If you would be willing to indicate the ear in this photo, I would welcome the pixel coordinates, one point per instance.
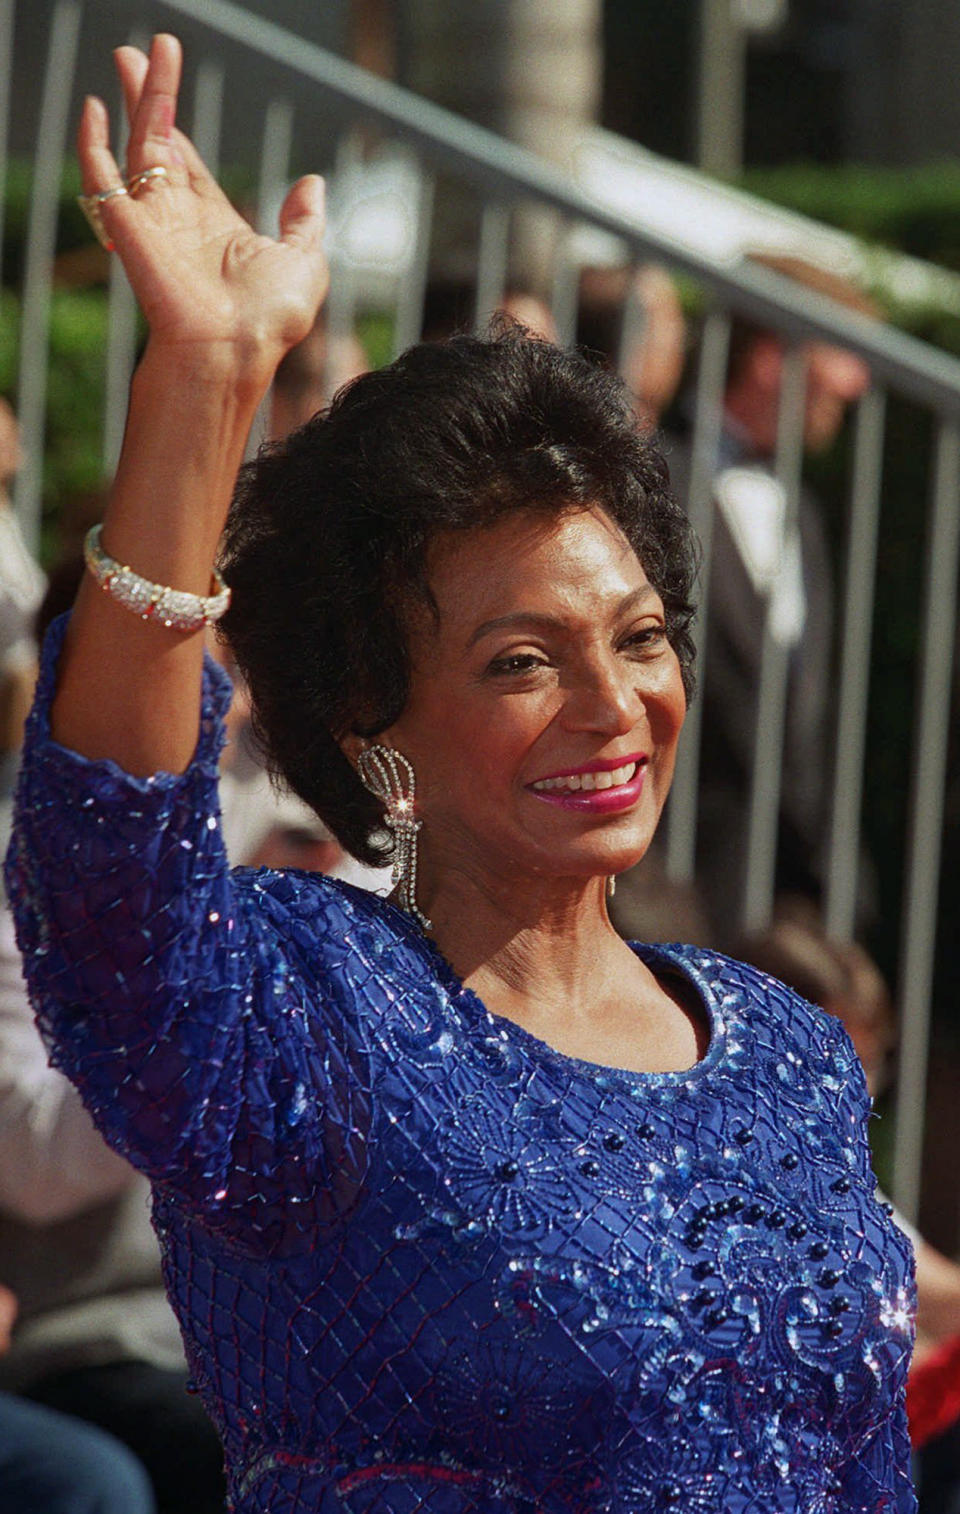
(351, 746)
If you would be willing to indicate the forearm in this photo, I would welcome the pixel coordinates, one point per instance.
(130, 689)
(222, 304)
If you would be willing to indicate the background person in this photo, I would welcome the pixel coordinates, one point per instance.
(761, 565)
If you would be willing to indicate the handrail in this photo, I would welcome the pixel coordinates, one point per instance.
(504, 169)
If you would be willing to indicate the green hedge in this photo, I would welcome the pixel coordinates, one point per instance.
(914, 209)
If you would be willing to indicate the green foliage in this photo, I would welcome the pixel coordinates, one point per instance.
(75, 396)
(914, 209)
(375, 331)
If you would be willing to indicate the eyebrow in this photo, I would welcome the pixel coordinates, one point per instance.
(551, 622)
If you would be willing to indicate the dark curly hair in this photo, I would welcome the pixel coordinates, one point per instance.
(327, 538)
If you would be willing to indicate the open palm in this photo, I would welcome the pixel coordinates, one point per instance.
(199, 271)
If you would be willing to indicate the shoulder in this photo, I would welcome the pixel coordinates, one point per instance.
(331, 920)
(777, 1013)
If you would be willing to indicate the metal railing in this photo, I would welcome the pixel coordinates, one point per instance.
(318, 85)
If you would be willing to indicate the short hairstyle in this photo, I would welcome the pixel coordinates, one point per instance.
(327, 539)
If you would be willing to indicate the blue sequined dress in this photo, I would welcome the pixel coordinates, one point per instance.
(422, 1261)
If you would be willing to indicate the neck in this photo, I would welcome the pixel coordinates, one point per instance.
(511, 938)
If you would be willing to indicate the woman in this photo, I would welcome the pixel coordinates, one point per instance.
(466, 1205)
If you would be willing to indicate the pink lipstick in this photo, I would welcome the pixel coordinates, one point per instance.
(604, 787)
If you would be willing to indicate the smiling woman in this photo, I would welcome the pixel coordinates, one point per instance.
(468, 1206)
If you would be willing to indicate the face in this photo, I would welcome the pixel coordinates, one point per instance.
(546, 705)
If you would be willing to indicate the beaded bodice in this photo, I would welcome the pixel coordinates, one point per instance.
(422, 1261)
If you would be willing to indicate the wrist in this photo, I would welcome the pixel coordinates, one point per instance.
(236, 373)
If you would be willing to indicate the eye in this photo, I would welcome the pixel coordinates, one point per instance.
(648, 638)
(515, 663)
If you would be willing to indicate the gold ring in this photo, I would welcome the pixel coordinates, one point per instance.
(139, 181)
(90, 205)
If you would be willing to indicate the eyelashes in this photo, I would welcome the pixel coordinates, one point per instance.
(648, 639)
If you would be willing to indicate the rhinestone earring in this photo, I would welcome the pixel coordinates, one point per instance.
(389, 776)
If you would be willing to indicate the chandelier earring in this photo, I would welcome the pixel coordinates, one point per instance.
(389, 776)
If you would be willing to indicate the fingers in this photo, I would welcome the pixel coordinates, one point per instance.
(150, 88)
(302, 222)
(98, 167)
(131, 65)
(302, 214)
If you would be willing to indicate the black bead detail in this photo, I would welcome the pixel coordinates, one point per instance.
(819, 1250)
(829, 1277)
(613, 1141)
(840, 1304)
(790, 1161)
(507, 1171)
(700, 1270)
(797, 1230)
(646, 1132)
(834, 1328)
(590, 1168)
(743, 1137)
(842, 1185)
(776, 1218)
(753, 1214)
(715, 1318)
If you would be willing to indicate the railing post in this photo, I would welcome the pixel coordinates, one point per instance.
(38, 275)
(929, 770)
(6, 64)
(409, 322)
(707, 429)
(844, 846)
(763, 823)
(208, 113)
(491, 262)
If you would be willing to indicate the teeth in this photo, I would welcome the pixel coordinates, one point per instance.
(588, 782)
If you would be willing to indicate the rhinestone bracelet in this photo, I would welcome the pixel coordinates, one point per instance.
(174, 608)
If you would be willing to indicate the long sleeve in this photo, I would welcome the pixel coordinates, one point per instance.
(173, 994)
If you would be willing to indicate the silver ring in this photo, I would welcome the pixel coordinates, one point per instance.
(139, 181)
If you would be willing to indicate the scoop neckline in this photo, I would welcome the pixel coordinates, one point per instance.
(671, 957)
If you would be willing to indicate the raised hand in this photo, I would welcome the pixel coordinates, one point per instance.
(203, 277)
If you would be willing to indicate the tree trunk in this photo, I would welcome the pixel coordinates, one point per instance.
(528, 70)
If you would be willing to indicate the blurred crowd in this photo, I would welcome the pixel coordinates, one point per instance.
(96, 1408)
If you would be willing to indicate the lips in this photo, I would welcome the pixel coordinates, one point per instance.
(602, 789)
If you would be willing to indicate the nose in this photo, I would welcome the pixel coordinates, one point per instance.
(602, 696)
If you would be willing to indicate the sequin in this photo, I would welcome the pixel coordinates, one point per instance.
(425, 1264)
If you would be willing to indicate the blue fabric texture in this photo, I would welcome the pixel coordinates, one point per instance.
(424, 1262)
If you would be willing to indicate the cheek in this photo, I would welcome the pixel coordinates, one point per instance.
(471, 746)
(668, 703)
